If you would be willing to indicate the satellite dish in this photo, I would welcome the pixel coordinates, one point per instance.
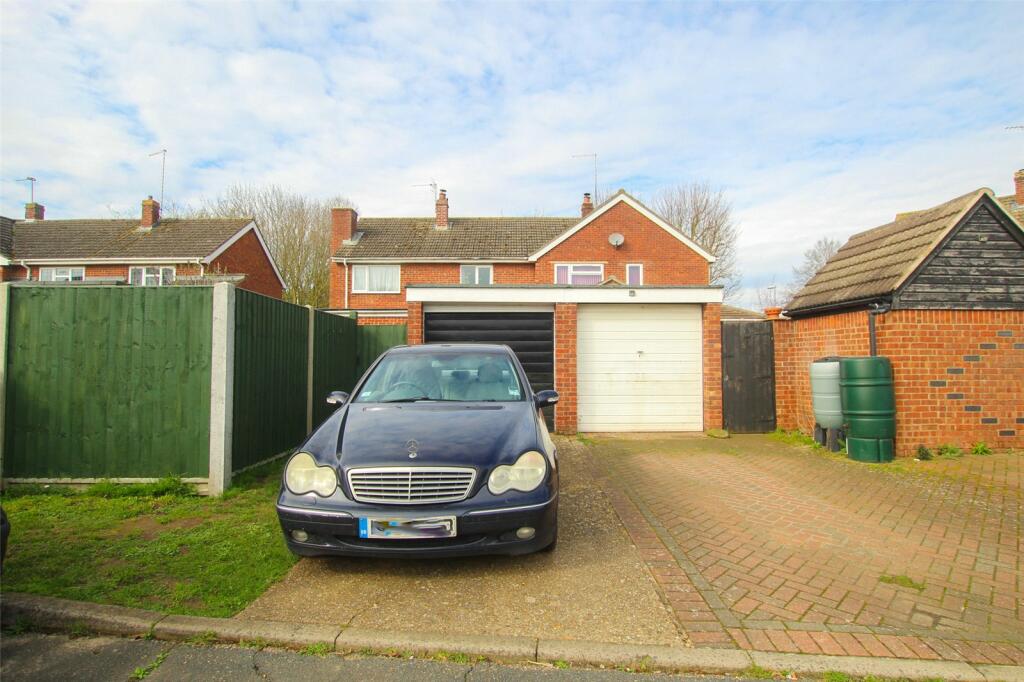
(616, 239)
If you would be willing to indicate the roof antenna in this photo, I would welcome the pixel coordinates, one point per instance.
(589, 156)
(163, 167)
(31, 181)
(432, 185)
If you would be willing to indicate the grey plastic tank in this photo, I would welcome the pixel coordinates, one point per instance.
(828, 407)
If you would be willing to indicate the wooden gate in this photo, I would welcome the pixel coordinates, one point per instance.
(748, 376)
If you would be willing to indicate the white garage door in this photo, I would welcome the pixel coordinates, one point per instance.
(639, 368)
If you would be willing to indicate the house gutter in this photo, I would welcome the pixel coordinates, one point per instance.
(28, 271)
(345, 263)
(836, 307)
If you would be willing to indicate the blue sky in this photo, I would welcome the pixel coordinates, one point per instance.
(815, 119)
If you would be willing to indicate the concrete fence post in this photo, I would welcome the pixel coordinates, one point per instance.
(222, 387)
(5, 298)
(309, 369)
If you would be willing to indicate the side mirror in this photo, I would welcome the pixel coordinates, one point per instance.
(337, 398)
(545, 398)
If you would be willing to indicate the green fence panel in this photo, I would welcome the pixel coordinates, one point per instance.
(108, 382)
(271, 344)
(374, 339)
(334, 360)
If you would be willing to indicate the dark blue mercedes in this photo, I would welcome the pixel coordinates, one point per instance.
(441, 451)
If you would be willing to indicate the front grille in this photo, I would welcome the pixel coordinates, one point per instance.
(411, 485)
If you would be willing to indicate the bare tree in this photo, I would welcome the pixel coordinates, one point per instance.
(815, 258)
(297, 230)
(703, 214)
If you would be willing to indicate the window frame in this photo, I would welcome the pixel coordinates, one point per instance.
(70, 277)
(476, 268)
(159, 272)
(365, 266)
(635, 265)
(571, 267)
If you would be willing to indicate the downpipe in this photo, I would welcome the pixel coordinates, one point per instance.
(875, 310)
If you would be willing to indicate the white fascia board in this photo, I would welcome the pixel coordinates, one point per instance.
(263, 244)
(4, 260)
(488, 308)
(643, 210)
(476, 261)
(513, 295)
(379, 312)
(109, 261)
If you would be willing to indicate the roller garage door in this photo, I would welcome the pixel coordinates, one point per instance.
(529, 334)
(639, 367)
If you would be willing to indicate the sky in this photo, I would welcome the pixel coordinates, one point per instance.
(814, 119)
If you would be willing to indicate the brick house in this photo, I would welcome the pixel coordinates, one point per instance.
(148, 251)
(613, 308)
(941, 293)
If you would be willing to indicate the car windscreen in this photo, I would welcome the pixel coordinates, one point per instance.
(455, 377)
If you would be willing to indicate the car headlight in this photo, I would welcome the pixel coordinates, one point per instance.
(525, 475)
(303, 475)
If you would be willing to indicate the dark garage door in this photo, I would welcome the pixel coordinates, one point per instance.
(529, 335)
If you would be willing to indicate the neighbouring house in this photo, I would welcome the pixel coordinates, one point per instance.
(941, 293)
(731, 313)
(147, 251)
(613, 307)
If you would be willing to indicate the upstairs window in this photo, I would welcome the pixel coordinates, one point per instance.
(477, 274)
(151, 276)
(376, 279)
(61, 274)
(582, 274)
(635, 274)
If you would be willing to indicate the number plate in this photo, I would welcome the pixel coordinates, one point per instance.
(407, 529)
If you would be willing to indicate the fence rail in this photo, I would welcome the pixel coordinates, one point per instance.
(141, 382)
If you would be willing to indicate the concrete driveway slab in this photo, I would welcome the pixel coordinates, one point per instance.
(594, 586)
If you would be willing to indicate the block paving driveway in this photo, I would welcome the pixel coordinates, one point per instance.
(762, 545)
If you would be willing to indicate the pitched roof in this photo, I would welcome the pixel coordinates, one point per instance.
(114, 239)
(731, 312)
(6, 237)
(1012, 207)
(874, 263)
(465, 238)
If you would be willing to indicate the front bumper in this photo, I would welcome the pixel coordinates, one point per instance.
(479, 531)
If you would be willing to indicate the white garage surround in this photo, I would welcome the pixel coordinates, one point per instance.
(639, 367)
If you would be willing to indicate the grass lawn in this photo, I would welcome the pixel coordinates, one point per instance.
(173, 553)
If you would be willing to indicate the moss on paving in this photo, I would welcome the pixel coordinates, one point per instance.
(175, 553)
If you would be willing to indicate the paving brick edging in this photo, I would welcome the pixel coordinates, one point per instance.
(48, 613)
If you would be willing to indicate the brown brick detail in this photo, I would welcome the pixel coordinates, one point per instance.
(414, 332)
(923, 345)
(712, 323)
(246, 256)
(565, 367)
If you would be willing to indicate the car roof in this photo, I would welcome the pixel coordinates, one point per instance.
(452, 348)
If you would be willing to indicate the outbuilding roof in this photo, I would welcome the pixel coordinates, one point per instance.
(874, 263)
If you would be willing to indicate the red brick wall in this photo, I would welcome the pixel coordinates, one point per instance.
(370, 321)
(414, 332)
(565, 367)
(712, 324)
(666, 260)
(952, 369)
(248, 257)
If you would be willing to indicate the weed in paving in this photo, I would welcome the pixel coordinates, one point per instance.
(144, 672)
(259, 643)
(320, 649)
(949, 451)
(451, 657)
(561, 665)
(923, 453)
(77, 630)
(902, 581)
(795, 438)
(203, 638)
(981, 448)
(756, 672)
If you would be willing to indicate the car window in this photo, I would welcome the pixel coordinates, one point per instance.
(457, 377)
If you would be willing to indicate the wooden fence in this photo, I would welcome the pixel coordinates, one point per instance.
(134, 383)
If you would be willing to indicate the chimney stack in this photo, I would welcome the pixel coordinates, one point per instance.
(150, 212)
(441, 211)
(1018, 181)
(587, 207)
(343, 226)
(35, 211)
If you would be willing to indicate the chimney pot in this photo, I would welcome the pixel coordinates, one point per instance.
(441, 211)
(150, 212)
(343, 226)
(587, 207)
(773, 312)
(1018, 181)
(34, 211)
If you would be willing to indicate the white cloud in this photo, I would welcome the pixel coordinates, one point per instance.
(816, 119)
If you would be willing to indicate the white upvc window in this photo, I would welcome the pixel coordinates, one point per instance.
(471, 273)
(151, 275)
(376, 279)
(579, 273)
(635, 274)
(71, 274)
